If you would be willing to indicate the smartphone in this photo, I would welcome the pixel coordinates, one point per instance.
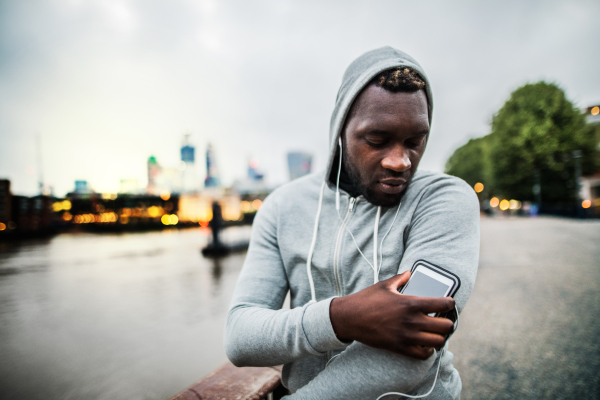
(429, 280)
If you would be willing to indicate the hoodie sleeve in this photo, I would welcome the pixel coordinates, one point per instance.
(258, 332)
(445, 231)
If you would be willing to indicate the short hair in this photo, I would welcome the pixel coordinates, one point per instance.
(401, 79)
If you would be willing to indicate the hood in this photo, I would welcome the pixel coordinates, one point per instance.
(357, 76)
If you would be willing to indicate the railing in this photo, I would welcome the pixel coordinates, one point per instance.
(230, 382)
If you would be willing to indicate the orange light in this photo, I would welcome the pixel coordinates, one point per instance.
(124, 219)
(595, 110)
(586, 203)
(494, 202)
(478, 187)
(245, 206)
(2, 226)
(165, 196)
(154, 212)
(504, 205)
(256, 204)
(67, 216)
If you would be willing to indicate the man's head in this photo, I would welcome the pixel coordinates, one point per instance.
(385, 135)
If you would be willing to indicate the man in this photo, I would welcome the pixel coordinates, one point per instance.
(342, 242)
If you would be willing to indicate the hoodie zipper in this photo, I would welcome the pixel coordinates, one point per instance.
(336, 254)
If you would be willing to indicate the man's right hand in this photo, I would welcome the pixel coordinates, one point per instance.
(379, 316)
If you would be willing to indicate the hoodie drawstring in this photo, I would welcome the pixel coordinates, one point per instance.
(337, 184)
(375, 266)
(312, 248)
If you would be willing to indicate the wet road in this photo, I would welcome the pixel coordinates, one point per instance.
(530, 329)
(140, 316)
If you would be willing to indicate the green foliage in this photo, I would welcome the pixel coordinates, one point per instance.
(534, 133)
(471, 162)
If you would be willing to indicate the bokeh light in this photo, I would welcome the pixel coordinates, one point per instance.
(494, 201)
(504, 205)
(586, 203)
(478, 187)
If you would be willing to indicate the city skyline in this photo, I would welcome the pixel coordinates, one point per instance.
(105, 84)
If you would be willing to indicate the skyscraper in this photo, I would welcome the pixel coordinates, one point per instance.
(153, 174)
(189, 176)
(212, 172)
(254, 174)
(299, 164)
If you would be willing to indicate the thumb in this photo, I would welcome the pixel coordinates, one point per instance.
(397, 281)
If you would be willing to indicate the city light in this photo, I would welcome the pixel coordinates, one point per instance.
(586, 203)
(165, 196)
(2, 226)
(494, 202)
(169, 219)
(515, 205)
(245, 206)
(504, 205)
(595, 110)
(478, 187)
(61, 205)
(154, 211)
(256, 204)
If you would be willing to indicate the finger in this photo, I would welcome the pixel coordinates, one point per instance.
(397, 281)
(426, 339)
(442, 326)
(418, 352)
(430, 305)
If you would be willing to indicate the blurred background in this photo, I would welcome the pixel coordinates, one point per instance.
(129, 128)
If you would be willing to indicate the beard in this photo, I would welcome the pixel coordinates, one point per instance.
(362, 184)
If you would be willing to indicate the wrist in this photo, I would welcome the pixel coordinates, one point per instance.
(338, 313)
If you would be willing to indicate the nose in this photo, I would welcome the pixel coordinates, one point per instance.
(397, 160)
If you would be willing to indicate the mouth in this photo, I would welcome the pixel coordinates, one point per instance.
(392, 185)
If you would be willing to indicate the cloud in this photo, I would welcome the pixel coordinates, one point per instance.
(107, 83)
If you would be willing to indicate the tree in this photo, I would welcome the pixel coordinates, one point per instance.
(471, 162)
(534, 136)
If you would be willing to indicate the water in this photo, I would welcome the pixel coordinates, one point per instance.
(88, 316)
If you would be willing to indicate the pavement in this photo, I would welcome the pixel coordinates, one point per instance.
(530, 329)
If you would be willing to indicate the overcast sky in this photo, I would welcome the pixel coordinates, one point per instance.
(106, 83)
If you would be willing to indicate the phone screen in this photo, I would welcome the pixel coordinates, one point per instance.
(425, 286)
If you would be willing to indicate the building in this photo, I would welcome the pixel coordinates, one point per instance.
(5, 204)
(254, 174)
(299, 164)
(212, 172)
(153, 174)
(589, 186)
(189, 174)
(82, 187)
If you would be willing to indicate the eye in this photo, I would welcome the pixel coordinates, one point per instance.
(415, 141)
(375, 140)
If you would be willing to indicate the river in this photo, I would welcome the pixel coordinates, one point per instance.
(101, 316)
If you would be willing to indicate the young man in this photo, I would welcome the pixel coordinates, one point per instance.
(342, 242)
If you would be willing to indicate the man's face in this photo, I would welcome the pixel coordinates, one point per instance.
(383, 142)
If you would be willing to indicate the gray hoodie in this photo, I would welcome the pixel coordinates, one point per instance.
(302, 244)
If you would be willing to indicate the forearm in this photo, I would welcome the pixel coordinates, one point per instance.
(258, 336)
